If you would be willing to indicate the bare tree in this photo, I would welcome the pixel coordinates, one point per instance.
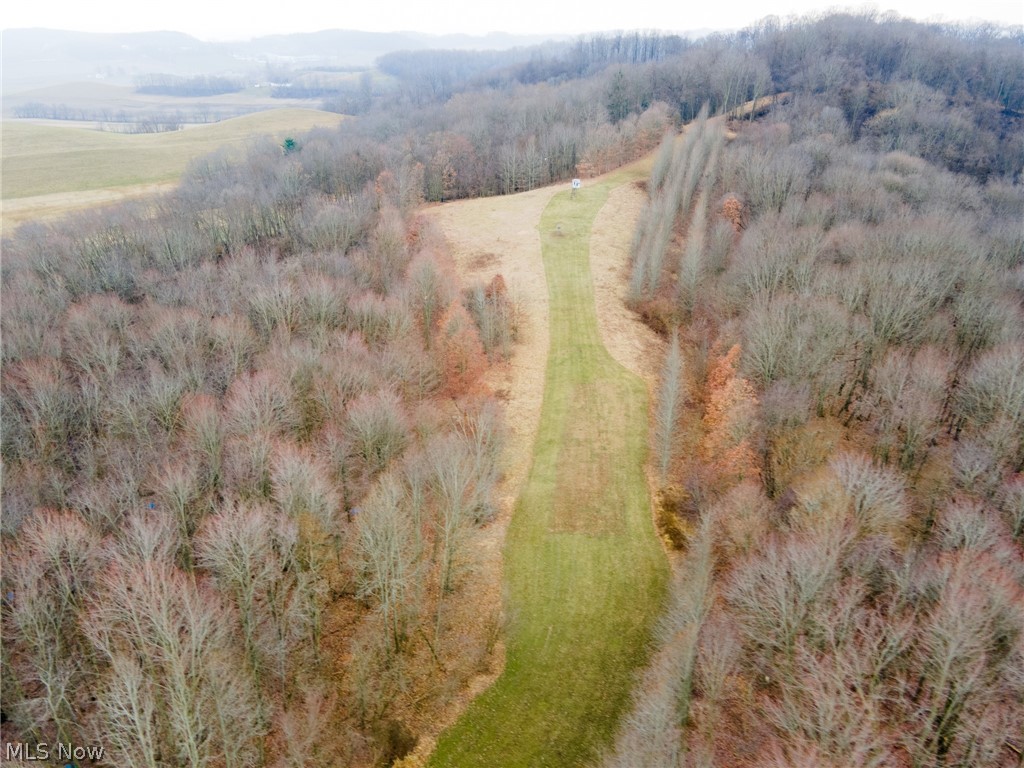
(95, 334)
(654, 733)
(378, 428)
(388, 562)
(128, 701)
(481, 427)
(977, 467)
(835, 702)
(430, 292)
(454, 483)
(671, 399)
(993, 393)
(968, 525)
(692, 265)
(322, 305)
(718, 656)
(149, 536)
(960, 659)
(388, 253)
(305, 728)
(178, 339)
(151, 612)
(302, 489)
(178, 492)
(902, 294)
(1011, 501)
(247, 463)
(164, 395)
(498, 316)
(205, 428)
(252, 563)
(775, 593)
(877, 496)
(49, 577)
(905, 403)
(233, 346)
(40, 411)
(259, 402)
(743, 519)
(983, 318)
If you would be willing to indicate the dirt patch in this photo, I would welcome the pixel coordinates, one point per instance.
(587, 500)
(629, 341)
(482, 261)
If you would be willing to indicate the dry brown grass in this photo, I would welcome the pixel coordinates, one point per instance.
(46, 207)
(586, 500)
(632, 343)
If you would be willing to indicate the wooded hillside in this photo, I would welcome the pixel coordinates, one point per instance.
(839, 433)
(245, 437)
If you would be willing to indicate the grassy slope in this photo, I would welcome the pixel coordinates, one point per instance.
(42, 160)
(585, 573)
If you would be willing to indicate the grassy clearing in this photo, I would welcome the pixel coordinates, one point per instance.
(44, 160)
(585, 573)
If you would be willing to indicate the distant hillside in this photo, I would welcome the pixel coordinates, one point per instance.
(35, 58)
(42, 160)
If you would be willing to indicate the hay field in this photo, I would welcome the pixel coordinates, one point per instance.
(43, 160)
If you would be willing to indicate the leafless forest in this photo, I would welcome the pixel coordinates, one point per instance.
(839, 432)
(245, 435)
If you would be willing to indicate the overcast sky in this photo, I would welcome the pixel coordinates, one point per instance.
(211, 20)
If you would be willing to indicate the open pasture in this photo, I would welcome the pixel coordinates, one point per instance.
(49, 171)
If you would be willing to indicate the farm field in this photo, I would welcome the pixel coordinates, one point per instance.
(102, 97)
(41, 160)
(584, 569)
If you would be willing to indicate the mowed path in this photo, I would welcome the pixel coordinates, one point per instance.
(584, 571)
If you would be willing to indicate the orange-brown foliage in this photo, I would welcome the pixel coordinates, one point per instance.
(496, 289)
(732, 210)
(461, 354)
(730, 422)
(386, 187)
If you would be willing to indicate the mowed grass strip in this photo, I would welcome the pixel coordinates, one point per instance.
(44, 160)
(585, 573)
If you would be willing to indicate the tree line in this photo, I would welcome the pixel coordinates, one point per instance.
(838, 440)
(136, 121)
(959, 90)
(161, 84)
(253, 409)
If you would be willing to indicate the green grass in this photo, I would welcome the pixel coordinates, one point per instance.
(585, 572)
(42, 159)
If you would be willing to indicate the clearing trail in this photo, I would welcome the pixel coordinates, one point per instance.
(584, 571)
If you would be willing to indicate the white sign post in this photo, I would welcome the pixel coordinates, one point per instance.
(576, 184)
